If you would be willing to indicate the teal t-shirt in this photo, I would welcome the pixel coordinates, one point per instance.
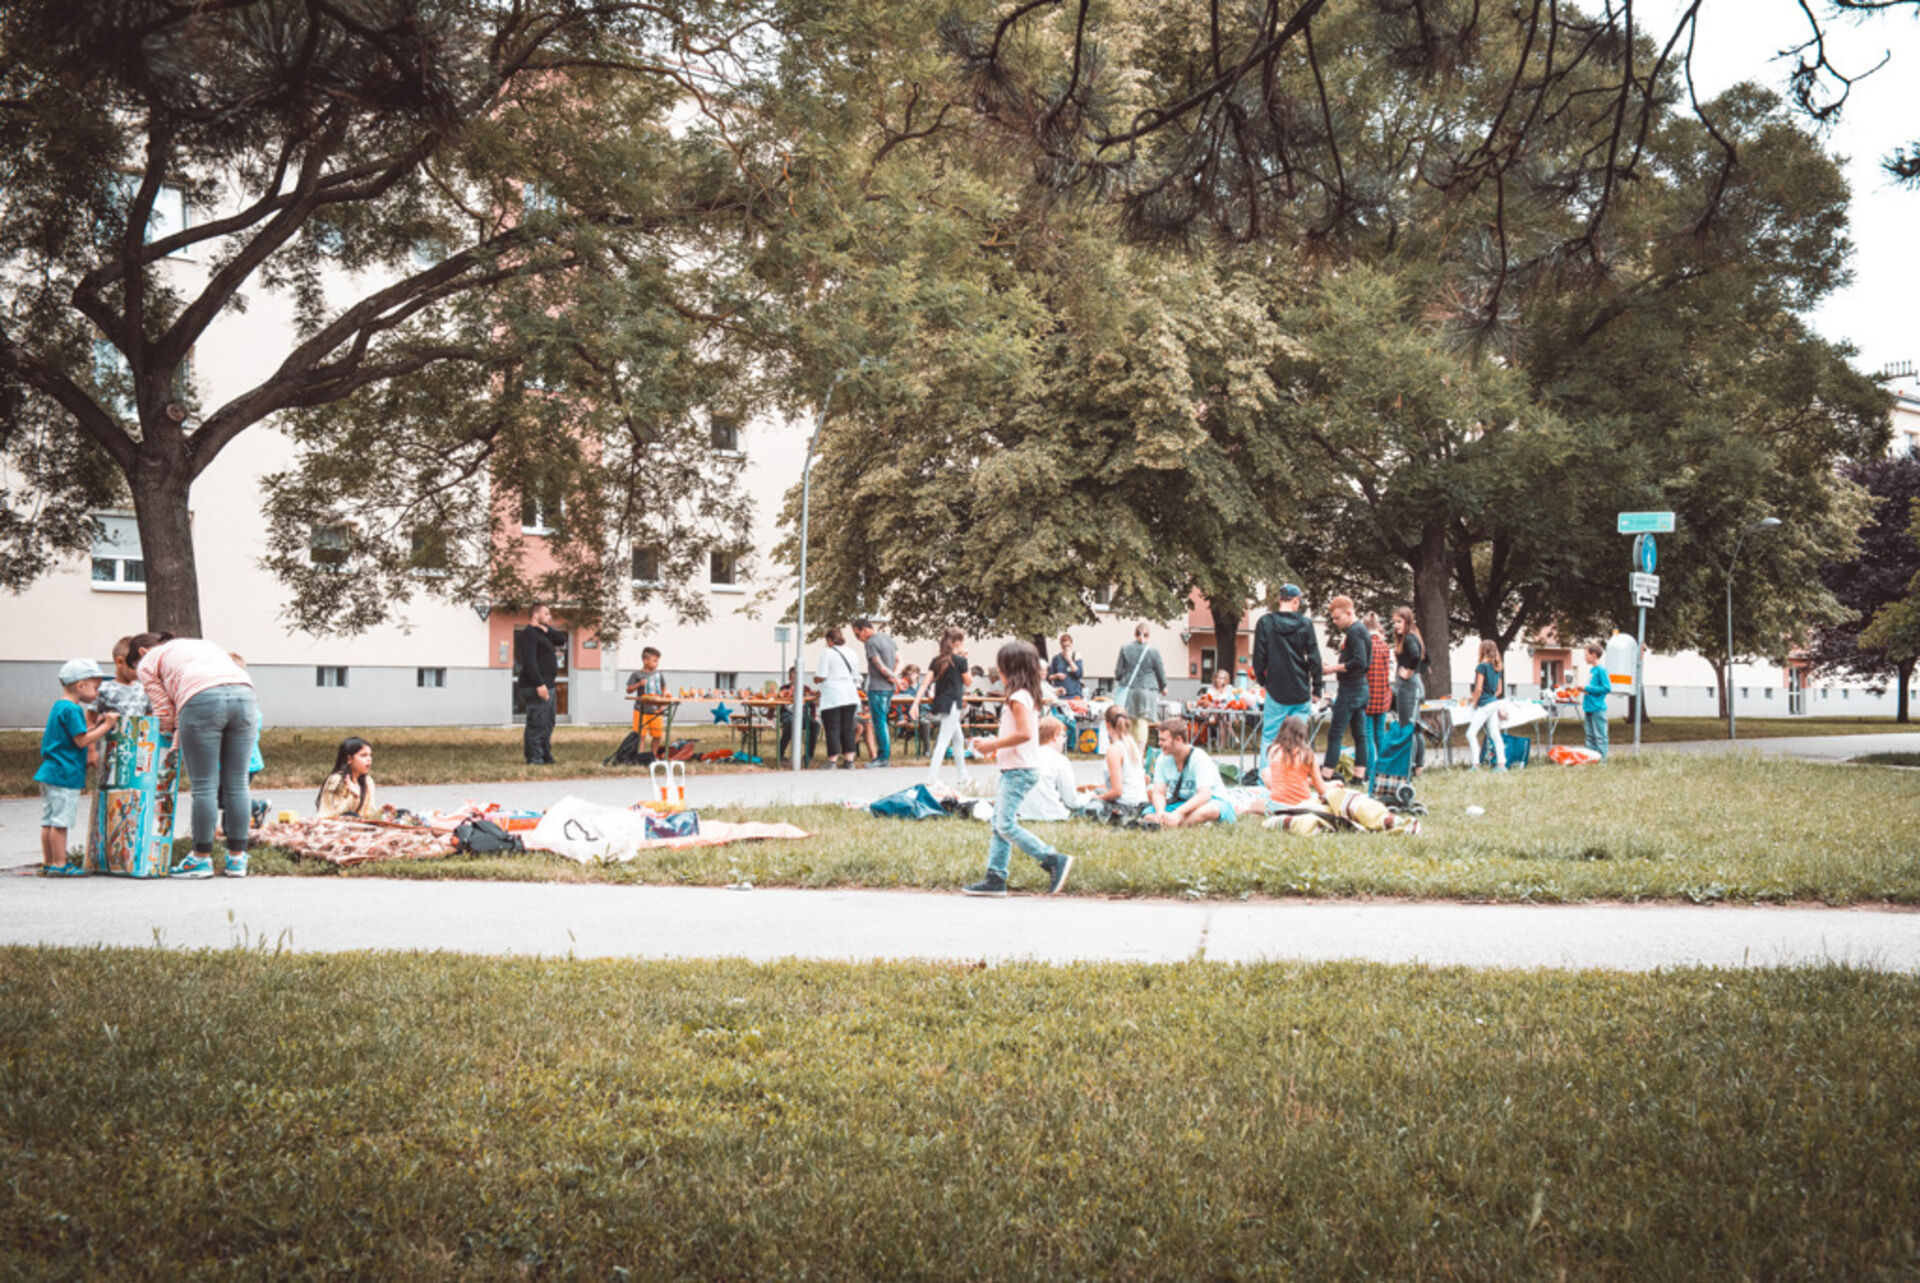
(1490, 684)
(63, 763)
(1599, 684)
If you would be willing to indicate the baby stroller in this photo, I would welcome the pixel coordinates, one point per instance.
(1390, 774)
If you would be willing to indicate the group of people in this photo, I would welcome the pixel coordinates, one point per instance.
(201, 695)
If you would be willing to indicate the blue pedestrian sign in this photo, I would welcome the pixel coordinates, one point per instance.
(1645, 558)
(1646, 523)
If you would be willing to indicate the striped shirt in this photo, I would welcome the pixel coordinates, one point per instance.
(174, 672)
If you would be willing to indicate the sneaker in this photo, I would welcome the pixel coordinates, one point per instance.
(1411, 828)
(993, 884)
(63, 871)
(236, 864)
(194, 866)
(1057, 866)
(880, 765)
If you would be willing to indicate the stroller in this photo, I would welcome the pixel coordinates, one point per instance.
(1390, 774)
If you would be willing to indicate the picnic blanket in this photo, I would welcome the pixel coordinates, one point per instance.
(346, 843)
(593, 834)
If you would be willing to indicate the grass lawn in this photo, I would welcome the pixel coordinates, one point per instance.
(1889, 759)
(428, 1117)
(1663, 827)
(300, 757)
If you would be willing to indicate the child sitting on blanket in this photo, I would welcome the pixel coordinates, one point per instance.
(1304, 803)
(349, 790)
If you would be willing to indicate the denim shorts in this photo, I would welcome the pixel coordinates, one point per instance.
(59, 807)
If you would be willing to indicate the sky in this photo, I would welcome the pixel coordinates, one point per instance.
(1879, 313)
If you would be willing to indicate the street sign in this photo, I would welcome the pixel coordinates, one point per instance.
(1646, 601)
(1645, 556)
(1646, 523)
(1644, 585)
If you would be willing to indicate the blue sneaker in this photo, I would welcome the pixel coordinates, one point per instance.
(63, 871)
(236, 864)
(194, 866)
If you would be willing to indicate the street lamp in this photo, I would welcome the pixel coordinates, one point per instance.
(800, 636)
(1765, 523)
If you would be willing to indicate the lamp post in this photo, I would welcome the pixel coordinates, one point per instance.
(1765, 523)
(800, 636)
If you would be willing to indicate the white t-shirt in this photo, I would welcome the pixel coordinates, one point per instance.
(1133, 778)
(839, 674)
(1203, 777)
(1019, 757)
(1053, 796)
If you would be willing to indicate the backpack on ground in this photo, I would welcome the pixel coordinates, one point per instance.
(629, 753)
(484, 837)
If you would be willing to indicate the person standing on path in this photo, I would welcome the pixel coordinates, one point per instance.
(838, 677)
(1593, 701)
(207, 702)
(1350, 694)
(1066, 671)
(1142, 681)
(947, 677)
(1017, 750)
(1286, 663)
(537, 657)
(882, 680)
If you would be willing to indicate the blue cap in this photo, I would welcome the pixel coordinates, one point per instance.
(1289, 591)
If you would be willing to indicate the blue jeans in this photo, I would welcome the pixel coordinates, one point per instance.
(217, 732)
(1271, 715)
(1597, 732)
(1376, 728)
(880, 704)
(1349, 716)
(1007, 833)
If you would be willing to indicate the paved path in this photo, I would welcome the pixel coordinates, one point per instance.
(315, 915)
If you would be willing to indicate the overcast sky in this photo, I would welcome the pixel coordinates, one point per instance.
(1740, 40)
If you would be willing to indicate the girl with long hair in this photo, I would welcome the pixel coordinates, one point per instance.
(1016, 749)
(947, 677)
(1489, 706)
(1303, 803)
(1126, 791)
(349, 789)
(1409, 689)
(838, 678)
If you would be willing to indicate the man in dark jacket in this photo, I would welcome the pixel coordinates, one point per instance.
(1286, 661)
(1350, 695)
(537, 656)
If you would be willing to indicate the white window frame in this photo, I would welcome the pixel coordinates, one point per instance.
(438, 676)
(170, 212)
(726, 681)
(338, 672)
(119, 583)
(541, 516)
(633, 566)
(716, 423)
(346, 534)
(732, 585)
(1107, 593)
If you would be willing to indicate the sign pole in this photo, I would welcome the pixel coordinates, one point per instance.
(1639, 680)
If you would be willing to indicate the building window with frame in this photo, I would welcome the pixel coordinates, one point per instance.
(723, 569)
(541, 506)
(1103, 597)
(169, 214)
(723, 433)
(1551, 671)
(429, 554)
(646, 564)
(118, 565)
(430, 678)
(330, 675)
(726, 681)
(330, 548)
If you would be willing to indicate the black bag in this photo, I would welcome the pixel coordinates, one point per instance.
(484, 837)
(629, 753)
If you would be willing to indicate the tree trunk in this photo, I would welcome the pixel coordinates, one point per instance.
(1720, 679)
(160, 505)
(1040, 644)
(1904, 668)
(1226, 635)
(1432, 605)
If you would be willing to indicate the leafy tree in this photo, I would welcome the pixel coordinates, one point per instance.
(485, 222)
(1877, 586)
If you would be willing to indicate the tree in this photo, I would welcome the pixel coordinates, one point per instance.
(485, 223)
(1876, 586)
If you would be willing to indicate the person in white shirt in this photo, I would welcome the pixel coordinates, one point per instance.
(1125, 794)
(1017, 752)
(1187, 788)
(1055, 796)
(838, 678)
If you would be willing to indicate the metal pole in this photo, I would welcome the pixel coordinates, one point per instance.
(800, 637)
(1639, 680)
(1733, 717)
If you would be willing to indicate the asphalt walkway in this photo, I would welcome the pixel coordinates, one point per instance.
(310, 914)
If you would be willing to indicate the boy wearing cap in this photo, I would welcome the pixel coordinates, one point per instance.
(63, 763)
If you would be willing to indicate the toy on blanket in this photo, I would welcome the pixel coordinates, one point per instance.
(669, 781)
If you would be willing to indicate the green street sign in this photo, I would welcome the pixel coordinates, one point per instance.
(1646, 523)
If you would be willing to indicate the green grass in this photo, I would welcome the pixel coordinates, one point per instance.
(1661, 828)
(1889, 759)
(430, 1117)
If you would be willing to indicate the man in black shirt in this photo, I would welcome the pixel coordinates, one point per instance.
(537, 657)
(1286, 663)
(1350, 695)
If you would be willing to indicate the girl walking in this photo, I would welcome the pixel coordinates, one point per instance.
(947, 677)
(1016, 749)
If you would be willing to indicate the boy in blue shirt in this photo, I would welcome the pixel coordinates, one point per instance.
(63, 763)
(1593, 701)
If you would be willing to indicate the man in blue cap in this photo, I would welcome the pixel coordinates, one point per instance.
(1286, 662)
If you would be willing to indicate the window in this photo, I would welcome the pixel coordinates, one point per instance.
(117, 563)
(646, 565)
(1209, 658)
(430, 678)
(1103, 597)
(327, 548)
(724, 433)
(1663, 692)
(330, 675)
(726, 681)
(169, 213)
(537, 198)
(428, 553)
(540, 507)
(1551, 671)
(114, 377)
(724, 569)
(1769, 692)
(428, 253)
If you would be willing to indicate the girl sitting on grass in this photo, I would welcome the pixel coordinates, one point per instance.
(1125, 795)
(1305, 803)
(349, 790)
